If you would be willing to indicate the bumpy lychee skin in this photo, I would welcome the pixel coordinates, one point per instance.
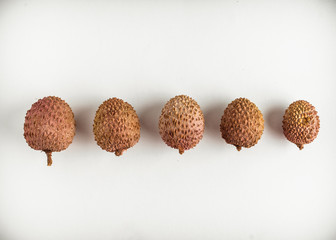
(181, 123)
(301, 124)
(116, 126)
(242, 123)
(49, 126)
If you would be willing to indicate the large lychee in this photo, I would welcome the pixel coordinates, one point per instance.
(181, 123)
(116, 126)
(49, 126)
(242, 123)
(301, 124)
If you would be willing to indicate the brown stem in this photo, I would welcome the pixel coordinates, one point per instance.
(119, 152)
(49, 157)
(181, 151)
(300, 146)
(238, 147)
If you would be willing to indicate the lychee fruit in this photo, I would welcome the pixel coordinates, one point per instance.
(301, 124)
(242, 123)
(116, 126)
(49, 126)
(181, 123)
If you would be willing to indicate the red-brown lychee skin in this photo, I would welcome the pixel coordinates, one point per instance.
(242, 123)
(49, 126)
(181, 123)
(116, 126)
(301, 124)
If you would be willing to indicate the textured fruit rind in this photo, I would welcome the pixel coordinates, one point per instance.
(181, 123)
(116, 126)
(301, 123)
(49, 125)
(242, 123)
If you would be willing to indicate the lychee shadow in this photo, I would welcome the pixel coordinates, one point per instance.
(273, 119)
(13, 119)
(149, 120)
(84, 117)
(212, 117)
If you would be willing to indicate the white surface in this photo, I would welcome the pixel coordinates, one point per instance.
(146, 52)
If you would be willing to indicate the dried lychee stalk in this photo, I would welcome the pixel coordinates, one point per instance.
(181, 123)
(301, 124)
(49, 126)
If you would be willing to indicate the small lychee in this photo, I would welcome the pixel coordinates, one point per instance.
(301, 124)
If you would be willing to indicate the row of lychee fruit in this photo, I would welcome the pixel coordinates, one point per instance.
(50, 125)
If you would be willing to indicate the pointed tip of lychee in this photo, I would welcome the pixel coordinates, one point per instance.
(119, 152)
(181, 151)
(300, 146)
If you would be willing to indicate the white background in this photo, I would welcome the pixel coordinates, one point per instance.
(145, 52)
